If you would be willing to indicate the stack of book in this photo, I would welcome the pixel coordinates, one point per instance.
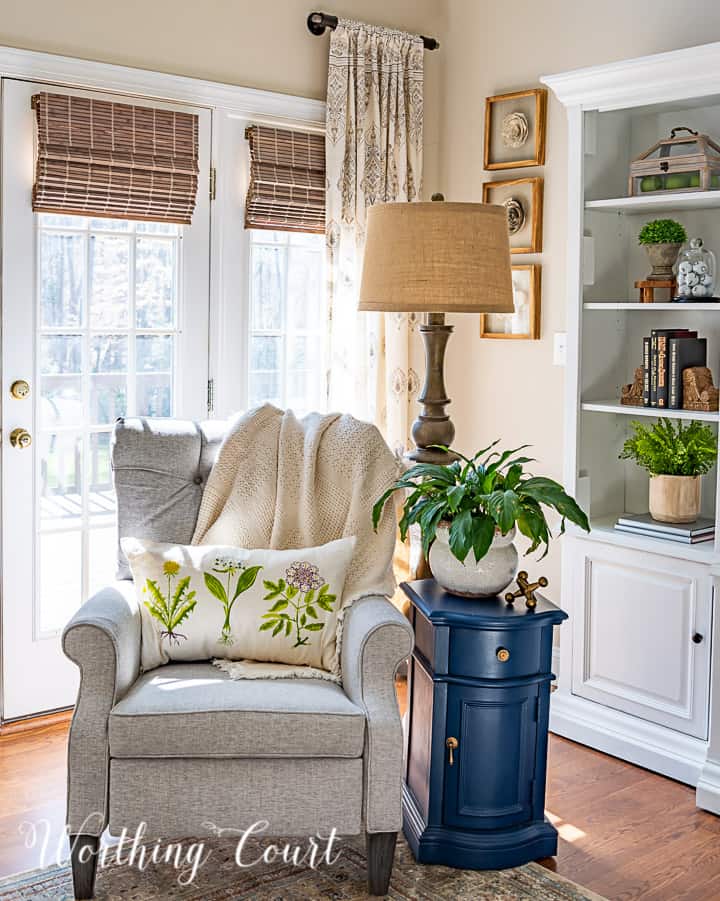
(702, 529)
(666, 352)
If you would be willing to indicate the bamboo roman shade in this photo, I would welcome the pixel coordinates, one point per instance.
(287, 180)
(116, 160)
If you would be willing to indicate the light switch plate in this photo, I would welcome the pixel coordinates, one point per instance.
(559, 348)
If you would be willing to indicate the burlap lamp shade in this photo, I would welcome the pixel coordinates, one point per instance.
(436, 258)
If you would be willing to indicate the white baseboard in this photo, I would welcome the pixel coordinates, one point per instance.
(657, 748)
(707, 795)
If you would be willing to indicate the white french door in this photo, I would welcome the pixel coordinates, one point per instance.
(101, 318)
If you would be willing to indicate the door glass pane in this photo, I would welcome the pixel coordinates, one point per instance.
(154, 395)
(61, 401)
(268, 278)
(101, 500)
(109, 281)
(102, 552)
(60, 578)
(154, 282)
(109, 353)
(61, 461)
(62, 279)
(108, 398)
(154, 353)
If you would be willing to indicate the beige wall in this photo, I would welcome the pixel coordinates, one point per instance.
(508, 389)
(254, 43)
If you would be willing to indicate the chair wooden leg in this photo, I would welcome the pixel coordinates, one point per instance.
(83, 858)
(380, 853)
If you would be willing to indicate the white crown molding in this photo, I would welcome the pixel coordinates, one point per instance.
(663, 77)
(232, 99)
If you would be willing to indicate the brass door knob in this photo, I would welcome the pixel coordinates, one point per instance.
(20, 389)
(451, 744)
(20, 438)
(503, 655)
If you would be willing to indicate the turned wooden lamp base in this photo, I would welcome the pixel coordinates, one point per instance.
(433, 426)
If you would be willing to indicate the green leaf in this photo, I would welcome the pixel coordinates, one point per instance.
(265, 626)
(291, 592)
(460, 537)
(270, 586)
(324, 589)
(215, 587)
(546, 491)
(278, 628)
(325, 604)
(246, 580)
(482, 533)
(504, 506)
(310, 595)
(455, 497)
(311, 611)
(278, 605)
(303, 619)
(314, 627)
(288, 626)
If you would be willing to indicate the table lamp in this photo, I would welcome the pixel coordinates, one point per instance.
(436, 258)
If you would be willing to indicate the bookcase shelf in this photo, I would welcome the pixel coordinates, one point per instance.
(614, 406)
(635, 307)
(603, 529)
(657, 203)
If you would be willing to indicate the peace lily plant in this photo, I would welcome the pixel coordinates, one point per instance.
(472, 507)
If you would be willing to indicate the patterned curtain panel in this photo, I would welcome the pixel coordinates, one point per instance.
(287, 180)
(97, 158)
(373, 149)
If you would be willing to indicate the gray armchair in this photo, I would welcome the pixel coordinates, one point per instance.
(226, 747)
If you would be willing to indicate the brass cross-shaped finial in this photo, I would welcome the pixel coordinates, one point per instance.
(526, 588)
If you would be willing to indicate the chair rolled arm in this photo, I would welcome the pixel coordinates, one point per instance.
(103, 639)
(376, 638)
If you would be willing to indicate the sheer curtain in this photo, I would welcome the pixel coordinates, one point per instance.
(373, 148)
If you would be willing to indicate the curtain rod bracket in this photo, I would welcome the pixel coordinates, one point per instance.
(318, 22)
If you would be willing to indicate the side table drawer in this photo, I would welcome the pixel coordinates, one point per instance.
(500, 654)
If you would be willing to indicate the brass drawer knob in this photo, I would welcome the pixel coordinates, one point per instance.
(451, 744)
(503, 655)
(20, 438)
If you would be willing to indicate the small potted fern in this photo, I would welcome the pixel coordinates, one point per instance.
(676, 456)
(662, 239)
(468, 512)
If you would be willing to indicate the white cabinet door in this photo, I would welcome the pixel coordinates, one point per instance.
(642, 635)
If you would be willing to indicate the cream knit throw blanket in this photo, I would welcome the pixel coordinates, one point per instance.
(280, 482)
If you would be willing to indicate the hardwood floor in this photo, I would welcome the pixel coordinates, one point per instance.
(624, 833)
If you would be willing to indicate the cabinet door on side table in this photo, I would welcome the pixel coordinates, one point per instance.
(490, 783)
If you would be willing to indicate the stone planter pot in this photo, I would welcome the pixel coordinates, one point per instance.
(473, 579)
(662, 259)
(675, 498)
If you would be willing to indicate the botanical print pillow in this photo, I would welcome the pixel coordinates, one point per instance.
(204, 601)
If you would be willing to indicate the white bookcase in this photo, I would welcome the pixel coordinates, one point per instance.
(636, 664)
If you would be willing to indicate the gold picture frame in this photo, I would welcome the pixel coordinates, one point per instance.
(524, 323)
(523, 197)
(515, 128)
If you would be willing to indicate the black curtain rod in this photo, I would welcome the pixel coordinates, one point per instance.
(318, 22)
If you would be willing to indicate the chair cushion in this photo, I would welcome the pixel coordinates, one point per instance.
(159, 471)
(195, 710)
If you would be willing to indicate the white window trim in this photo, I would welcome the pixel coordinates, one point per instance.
(228, 244)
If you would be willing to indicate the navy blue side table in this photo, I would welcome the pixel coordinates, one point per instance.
(478, 704)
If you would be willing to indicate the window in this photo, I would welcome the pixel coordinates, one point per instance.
(287, 320)
(107, 316)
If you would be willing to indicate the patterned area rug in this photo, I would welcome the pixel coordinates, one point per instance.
(221, 880)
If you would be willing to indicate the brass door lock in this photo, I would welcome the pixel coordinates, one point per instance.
(451, 744)
(20, 438)
(20, 389)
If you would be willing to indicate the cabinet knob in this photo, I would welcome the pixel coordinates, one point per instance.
(451, 744)
(503, 655)
(697, 638)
